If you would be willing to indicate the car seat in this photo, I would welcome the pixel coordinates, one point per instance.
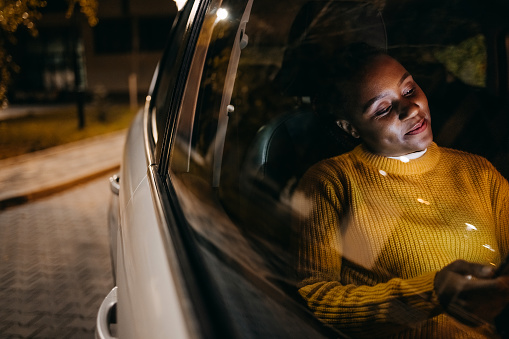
(285, 148)
(293, 141)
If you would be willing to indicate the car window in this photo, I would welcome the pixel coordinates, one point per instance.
(247, 129)
(168, 70)
(224, 105)
(461, 64)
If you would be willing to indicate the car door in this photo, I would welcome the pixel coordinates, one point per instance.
(151, 299)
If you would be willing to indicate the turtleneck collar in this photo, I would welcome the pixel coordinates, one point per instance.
(423, 164)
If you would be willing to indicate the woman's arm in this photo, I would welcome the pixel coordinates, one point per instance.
(373, 311)
(382, 309)
(382, 306)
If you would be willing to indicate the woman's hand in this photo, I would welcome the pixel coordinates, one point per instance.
(471, 293)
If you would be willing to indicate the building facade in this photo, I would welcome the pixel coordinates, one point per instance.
(114, 58)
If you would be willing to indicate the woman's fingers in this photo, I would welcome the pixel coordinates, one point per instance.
(466, 268)
(469, 293)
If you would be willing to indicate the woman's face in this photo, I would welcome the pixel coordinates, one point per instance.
(390, 112)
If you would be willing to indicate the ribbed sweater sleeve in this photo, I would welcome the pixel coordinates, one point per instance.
(364, 310)
(374, 232)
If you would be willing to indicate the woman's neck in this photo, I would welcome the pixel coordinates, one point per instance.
(410, 156)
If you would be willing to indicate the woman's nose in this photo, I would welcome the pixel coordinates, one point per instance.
(408, 109)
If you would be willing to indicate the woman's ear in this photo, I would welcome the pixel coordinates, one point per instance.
(348, 128)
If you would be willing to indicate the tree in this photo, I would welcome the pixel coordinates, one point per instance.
(24, 14)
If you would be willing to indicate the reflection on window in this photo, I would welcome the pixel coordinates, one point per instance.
(466, 61)
(246, 217)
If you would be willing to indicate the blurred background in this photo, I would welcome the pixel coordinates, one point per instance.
(72, 76)
(85, 63)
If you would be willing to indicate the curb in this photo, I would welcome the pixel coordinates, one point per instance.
(45, 192)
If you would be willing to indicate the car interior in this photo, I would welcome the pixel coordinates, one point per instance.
(252, 134)
(296, 137)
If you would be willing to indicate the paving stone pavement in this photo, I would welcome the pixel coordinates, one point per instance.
(54, 263)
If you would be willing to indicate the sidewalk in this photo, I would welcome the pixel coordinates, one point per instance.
(39, 174)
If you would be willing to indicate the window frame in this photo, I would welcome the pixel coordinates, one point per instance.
(209, 313)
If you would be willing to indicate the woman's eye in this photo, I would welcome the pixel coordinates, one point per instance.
(409, 91)
(383, 111)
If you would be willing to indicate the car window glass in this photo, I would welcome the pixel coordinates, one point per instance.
(217, 123)
(247, 129)
(169, 68)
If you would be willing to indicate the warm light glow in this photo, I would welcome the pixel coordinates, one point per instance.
(488, 247)
(422, 201)
(180, 4)
(470, 227)
(222, 14)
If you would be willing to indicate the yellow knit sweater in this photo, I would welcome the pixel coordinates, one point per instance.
(374, 231)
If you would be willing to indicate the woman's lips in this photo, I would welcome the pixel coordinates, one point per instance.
(419, 127)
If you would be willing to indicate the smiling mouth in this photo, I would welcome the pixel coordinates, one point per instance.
(419, 127)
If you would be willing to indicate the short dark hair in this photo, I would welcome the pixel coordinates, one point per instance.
(333, 97)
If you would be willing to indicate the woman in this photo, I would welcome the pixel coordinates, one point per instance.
(400, 237)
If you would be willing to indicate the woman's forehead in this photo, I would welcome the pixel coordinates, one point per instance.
(382, 66)
(381, 74)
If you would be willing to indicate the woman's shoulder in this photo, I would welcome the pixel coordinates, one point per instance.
(462, 160)
(459, 155)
